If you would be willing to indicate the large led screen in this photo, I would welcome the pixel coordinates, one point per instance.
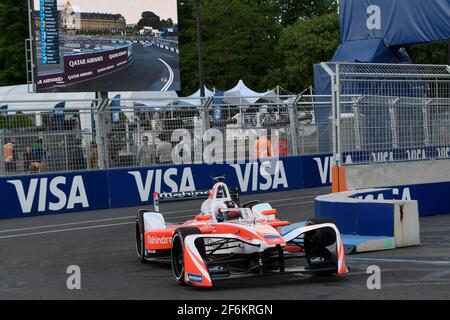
(105, 45)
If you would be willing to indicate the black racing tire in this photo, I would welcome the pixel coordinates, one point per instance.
(140, 232)
(177, 252)
(322, 220)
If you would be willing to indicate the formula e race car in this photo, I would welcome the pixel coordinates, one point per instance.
(228, 241)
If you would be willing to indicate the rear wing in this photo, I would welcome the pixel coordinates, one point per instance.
(158, 198)
(178, 196)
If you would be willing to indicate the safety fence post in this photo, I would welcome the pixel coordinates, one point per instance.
(102, 133)
(205, 114)
(294, 125)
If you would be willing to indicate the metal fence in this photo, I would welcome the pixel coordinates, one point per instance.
(55, 136)
(390, 113)
(375, 113)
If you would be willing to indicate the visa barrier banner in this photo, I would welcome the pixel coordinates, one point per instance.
(52, 194)
(432, 197)
(27, 196)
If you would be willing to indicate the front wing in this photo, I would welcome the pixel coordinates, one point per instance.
(211, 258)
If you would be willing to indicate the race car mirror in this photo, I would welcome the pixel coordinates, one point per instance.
(206, 217)
(270, 212)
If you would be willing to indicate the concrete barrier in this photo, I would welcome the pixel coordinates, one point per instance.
(428, 182)
(397, 174)
(369, 223)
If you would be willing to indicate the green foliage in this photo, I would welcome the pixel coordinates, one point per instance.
(149, 19)
(13, 32)
(288, 12)
(18, 120)
(302, 45)
(435, 53)
(238, 41)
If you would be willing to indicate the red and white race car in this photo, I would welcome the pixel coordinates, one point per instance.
(227, 241)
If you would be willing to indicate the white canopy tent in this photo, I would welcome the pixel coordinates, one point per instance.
(241, 94)
(195, 99)
(151, 99)
(18, 99)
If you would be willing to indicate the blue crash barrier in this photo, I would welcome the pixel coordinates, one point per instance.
(369, 221)
(432, 197)
(357, 217)
(26, 196)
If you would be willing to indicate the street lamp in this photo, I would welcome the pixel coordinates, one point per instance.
(201, 68)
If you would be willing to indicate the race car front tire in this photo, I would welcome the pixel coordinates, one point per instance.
(177, 252)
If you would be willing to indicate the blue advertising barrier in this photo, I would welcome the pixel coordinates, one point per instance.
(85, 191)
(432, 197)
(359, 218)
(135, 186)
(371, 224)
(53, 193)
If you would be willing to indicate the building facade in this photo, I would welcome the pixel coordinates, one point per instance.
(90, 22)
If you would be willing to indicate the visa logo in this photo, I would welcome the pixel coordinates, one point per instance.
(43, 188)
(155, 179)
(268, 175)
(325, 167)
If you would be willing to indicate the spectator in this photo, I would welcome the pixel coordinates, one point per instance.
(164, 150)
(283, 145)
(145, 155)
(94, 156)
(38, 151)
(38, 155)
(263, 148)
(9, 154)
(27, 159)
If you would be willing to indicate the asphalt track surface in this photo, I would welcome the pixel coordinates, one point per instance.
(35, 253)
(146, 73)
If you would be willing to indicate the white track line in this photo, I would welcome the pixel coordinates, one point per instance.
(171, 76)
(100, 226)
(130, 217)
(407, 261)
(66, 230)
(81, 222)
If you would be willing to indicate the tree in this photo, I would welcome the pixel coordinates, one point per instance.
(13, 32)
(302, 45)
(238, 41)
(167, 23)
(149, 19)
(18, 120)
(435, 53)
(288, 12)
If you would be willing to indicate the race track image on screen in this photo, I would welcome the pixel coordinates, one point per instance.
(106, 45)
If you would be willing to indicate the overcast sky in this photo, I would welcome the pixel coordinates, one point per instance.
(130, 9)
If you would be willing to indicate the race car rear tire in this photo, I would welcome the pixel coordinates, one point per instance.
(140, 232)
(322, 238)
(177, 252)
(322, 220)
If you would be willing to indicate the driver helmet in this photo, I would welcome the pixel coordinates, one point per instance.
(225, 214)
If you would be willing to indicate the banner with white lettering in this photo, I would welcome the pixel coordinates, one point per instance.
(86, 191)
(50, 194)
